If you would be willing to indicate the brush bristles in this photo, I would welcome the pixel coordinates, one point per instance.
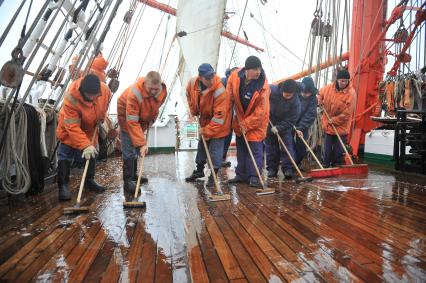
(134, 204)
(223, 197)
(268, 191)
(72, 210)
(356, 169)
(324, 173)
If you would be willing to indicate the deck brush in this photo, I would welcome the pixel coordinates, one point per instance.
(301, 179)
(135, 203)
(322, 172)
(77, 208)
(352, 169)
(219, 195)
(325, 172)
(264, 190)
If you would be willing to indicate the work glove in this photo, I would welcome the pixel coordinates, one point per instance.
(274, 130)
(243, 126)
(89, 152)
(143, 150)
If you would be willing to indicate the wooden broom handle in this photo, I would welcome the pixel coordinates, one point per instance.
(86, 166)
(288, 153)
(251, 155)
(138, 182)
(310, 150)
(338, 136)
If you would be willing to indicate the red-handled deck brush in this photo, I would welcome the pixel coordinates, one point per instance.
(352, 169)
(322, 172)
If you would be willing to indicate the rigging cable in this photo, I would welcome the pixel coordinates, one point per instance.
(11, 22)
(150, 46)
(265, 41)
(238, 33)
(277, 40)
(133, 32)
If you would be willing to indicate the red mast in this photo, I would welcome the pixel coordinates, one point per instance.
(366, 64)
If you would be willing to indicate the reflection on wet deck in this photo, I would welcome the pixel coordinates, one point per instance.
(334, 230)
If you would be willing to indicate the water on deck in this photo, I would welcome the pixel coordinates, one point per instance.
(334, 230)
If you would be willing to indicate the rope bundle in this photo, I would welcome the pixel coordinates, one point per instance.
(14, 175)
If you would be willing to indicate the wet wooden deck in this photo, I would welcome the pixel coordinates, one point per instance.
(370, 229)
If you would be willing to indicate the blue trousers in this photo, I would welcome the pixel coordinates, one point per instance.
(332, 151)
(226, 144)
(216, 152)
(73, 155)
(128, 151)
(300, 147)
(245, 167)
(274, 153)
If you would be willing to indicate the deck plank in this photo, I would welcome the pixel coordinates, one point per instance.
(247, 264)
(84, 264)
(214, 267)
(265, 266)
(197, 265)
(230, 264)
(16, 241)
(135, 250)
(13, 273)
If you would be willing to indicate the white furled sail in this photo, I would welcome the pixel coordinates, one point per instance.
(198, 26)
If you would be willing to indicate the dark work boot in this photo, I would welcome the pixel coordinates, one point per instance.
(135, 172)
(254, 182)
(237, 179)
(210, 181)
(196, 174)
(272, 173)
(226, 164)
(63, 178)
(288, 174)
(128, 175)
(90, 182)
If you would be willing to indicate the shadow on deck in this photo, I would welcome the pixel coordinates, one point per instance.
(365, 228)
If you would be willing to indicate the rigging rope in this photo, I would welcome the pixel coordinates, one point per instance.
(238, 33)
(14, 175)
(150, 46)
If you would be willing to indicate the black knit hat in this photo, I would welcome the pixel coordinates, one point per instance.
(343, 74)
(252, 62)
(289, 86)
(90, 85)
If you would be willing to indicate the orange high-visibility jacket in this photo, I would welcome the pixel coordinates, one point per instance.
(137, 110)
(339, 105)
(97, 68)
(256, 117)
(213, 105)
(78, 118)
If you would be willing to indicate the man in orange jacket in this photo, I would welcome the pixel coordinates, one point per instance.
(137, 110)
(208, 100)
(84, 107)
(250, 93)
(338, 99)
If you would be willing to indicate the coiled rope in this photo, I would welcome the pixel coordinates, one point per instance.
(14, 176)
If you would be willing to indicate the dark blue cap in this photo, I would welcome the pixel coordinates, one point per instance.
(308, 85)
(206, 71)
